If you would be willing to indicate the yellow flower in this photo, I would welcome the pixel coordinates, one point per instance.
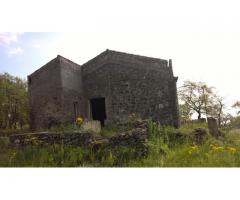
(190, 152)
(216, 148)
(13, 155)
(192, 149)
(232, 149)
(212, 145)
(79, 120)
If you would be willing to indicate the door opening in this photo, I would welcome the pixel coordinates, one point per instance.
(98, 109)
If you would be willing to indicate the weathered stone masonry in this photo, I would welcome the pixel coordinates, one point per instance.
(109, 87)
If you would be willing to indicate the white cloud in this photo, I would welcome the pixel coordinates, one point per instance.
(15, 51)
(8, 38)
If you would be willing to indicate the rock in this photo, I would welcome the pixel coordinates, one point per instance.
(93, 126)
(199, 134)
(134, 139)
(213, 127)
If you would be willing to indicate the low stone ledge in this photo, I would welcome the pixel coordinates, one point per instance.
(46, 138)
(136, 139)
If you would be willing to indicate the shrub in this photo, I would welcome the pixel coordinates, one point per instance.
(4, 142)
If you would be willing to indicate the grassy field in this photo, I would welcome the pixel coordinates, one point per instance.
(165, 150)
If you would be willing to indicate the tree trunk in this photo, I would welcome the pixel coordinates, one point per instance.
(199, 115)
(219, 120)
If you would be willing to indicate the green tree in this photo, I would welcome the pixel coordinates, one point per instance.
(14, 110)
(197, 96)
(216, 109)
(185, 113)
(236, 105)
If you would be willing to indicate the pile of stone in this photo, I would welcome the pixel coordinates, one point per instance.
(213, 127)
(49, 138)
(135, 139)
(199, 134)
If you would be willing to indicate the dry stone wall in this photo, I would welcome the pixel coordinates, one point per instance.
(45, 91)
(136, 139)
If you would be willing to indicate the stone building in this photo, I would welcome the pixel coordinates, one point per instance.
(107, 88)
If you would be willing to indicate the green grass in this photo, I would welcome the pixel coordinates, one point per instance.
(166, 149)
(64, 156)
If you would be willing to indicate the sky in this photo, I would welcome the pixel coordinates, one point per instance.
(201, 37)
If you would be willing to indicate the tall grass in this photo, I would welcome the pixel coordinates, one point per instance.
(168, 147)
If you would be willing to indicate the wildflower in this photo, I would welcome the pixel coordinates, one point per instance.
(79, 121)
(212, 145)
(232, 150)
(192, 149)
(13, 155)
(33, 138)
(190, 152)
(216, 148)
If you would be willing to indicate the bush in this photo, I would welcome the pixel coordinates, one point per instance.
(4, 142)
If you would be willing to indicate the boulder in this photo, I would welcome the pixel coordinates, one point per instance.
(213, 127)
(199, 134)
(93, 126)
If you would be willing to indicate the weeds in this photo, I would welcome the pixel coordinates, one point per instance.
(168, 147)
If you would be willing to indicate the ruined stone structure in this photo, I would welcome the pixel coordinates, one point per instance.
(107, 88)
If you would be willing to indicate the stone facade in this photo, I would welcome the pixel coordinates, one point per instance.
(108, 88)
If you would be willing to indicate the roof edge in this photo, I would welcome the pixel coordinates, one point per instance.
(68, 60)
(137, 55)
(44, 66)
(96, 57)
(58, 58)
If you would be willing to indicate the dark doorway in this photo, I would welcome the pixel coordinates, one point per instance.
(98, 109)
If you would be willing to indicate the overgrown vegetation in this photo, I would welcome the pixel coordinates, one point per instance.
(168, 147)
(14, 109)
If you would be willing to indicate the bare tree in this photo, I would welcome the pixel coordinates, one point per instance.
(197, 96)
(185, 113)
(216, 108)
(236, 105)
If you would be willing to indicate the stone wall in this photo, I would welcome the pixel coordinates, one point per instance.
(129, 83)
(72, 90)
(127, 89)
(45, 96)
(53, 90)
(136, 139)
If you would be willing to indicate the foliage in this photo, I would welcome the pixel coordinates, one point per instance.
(216, 110)
(108, 131)
(197, 97)
(14, 111)
(185, 113)
(236, 105)
(166, 149)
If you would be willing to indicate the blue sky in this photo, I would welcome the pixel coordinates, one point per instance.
(21, 53)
